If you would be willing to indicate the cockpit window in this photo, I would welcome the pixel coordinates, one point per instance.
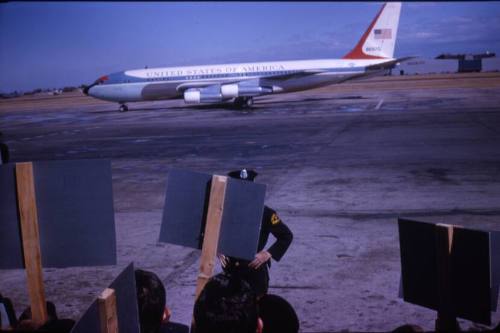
(102, 79)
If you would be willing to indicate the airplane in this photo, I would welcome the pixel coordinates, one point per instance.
(240, 83)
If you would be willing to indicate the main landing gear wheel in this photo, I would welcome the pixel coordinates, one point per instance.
(243, 102)
(123, 108)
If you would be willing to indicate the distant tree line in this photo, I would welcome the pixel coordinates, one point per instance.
(54, 91)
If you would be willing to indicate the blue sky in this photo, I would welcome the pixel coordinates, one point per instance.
(56, 44)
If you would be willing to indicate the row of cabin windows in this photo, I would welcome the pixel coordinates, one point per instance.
(211, 76)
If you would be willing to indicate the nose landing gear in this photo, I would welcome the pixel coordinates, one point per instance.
(123, 108)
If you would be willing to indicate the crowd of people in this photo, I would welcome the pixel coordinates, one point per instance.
(227, 304)
(235, 301)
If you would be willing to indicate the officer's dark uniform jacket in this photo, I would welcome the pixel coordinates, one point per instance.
(271, 224)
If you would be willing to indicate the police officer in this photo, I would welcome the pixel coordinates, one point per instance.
(256, 272)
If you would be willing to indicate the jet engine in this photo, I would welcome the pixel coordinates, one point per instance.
(197, 96)
(238, 90)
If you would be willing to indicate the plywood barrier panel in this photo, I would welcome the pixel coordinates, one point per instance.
(241, 220)
(185, 210)
(76, 215)
(126, 301)
(74, 201)
(11, 255)
(470, 275)
(495, 267)
(90, 321)
(470, 286)
(418, 263)
(126, 306)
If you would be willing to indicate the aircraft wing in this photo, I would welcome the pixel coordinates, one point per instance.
(295, 75)
(188, 85)
(277, 77)
(374, 70)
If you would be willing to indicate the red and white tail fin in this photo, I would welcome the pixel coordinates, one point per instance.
(379, 39)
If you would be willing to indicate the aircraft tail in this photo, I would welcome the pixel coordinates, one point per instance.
(379, 39)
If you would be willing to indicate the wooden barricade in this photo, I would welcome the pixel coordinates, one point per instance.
(212, 231)
(107, 311)
(31, 240)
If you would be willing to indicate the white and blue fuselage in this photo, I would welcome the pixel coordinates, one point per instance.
(373, 55)
(273, 77)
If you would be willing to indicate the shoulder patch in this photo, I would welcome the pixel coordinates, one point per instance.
(275, 219)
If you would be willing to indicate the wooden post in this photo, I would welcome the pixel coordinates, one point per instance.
(31, 240)
(446, 320)
(212, 231)
(107, 311)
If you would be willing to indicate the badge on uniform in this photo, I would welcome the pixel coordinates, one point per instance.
(275, 219)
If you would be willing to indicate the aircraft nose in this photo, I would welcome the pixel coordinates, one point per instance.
(100, 80)
(86, 90)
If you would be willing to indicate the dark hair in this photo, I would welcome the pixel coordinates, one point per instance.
(9, 309)
(226, 304)
(51, 312)
(408, 328)
(58, 326)
(151, 299)
(277, 315)
(4, 151)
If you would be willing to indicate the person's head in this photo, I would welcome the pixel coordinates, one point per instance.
(51, 313)
(10, 320)
(277, 315)
(408, 328)
(243, 174)
(26, 322)
(151, 299)
(58, 326)
(226, 304)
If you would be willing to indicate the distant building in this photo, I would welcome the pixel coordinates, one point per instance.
(490, 65)
(427, 66)
(451, 63)
(466, 56)
(468, 62)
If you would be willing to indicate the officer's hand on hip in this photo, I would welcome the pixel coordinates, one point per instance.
(260, 258)
(223, 260)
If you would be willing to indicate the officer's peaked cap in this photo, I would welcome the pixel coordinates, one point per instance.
(243, 174)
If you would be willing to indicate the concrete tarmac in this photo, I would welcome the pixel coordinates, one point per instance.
(341, 164)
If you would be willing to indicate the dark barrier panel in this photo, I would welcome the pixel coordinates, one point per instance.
(185, 210)
(74, 201)
(495, 267)
(126, 307)
(474, 262)
(417, 243)
(470, 264)
(186, 205)
(241, 220)
(11, 255)
(126, 300)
